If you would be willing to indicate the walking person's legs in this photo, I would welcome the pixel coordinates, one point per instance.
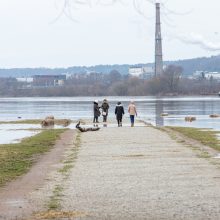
(104, 118)
(121, 122)
(132, 120)
(95, 120)
(118, 122)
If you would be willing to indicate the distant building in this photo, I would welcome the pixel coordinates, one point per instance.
(199, 74)
(213, 75)
(48, 80)
(68, 75)
(144, 72)
(25, 79)
(206, 75)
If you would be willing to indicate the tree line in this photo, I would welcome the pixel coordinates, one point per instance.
(170, 82)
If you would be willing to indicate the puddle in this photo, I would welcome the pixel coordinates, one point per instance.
(217, 157)
(15, 136)
(14, 133)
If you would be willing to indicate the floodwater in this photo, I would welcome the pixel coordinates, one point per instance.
(14, 136)
(149, 109)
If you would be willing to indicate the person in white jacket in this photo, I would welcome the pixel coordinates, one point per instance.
(132, 112)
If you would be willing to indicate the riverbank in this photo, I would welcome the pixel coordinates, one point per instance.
(16, 196)
(115, 173)
(17, 159)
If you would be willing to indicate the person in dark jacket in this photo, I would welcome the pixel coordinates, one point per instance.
(119, 112)
(105, 107)
(96, 112)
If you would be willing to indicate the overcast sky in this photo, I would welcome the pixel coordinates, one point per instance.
(34, 35)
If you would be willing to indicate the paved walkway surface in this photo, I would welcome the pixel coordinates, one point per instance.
(140, 173)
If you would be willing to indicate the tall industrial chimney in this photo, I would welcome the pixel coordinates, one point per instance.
(158, 44)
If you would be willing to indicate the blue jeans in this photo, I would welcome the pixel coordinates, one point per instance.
(132, 119)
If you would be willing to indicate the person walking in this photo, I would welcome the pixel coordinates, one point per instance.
(96, 112)
(105, 107)
(132, 112)
(119, 112)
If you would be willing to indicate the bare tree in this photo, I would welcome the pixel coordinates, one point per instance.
(171, 77)
(68, 7)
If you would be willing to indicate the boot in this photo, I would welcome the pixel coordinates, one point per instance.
(132, 124)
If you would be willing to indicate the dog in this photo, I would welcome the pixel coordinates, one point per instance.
(86, 129)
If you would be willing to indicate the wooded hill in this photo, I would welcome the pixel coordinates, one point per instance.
(189, 66)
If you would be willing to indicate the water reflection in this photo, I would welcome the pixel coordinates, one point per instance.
(149, 108)
(158, 111)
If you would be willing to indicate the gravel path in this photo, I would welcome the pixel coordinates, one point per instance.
(140, 173)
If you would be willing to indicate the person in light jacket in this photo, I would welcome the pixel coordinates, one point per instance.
(132, 112)
(119, 112)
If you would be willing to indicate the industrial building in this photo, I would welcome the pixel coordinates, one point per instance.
(48, 80)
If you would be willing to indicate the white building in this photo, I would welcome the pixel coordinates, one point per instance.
(213, 75)
(206, 75)
(145, 72)
(25, 79)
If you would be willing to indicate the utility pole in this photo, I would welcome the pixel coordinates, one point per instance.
(158, 44)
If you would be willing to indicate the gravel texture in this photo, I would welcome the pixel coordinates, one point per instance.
(118, 174)
(140, 173)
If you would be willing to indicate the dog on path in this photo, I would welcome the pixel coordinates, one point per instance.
(86, 129)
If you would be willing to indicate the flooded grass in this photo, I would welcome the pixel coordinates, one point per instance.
(206, 137)
(16, 159)
(63, 122)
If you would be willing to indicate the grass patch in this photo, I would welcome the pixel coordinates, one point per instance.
(16, 159)
(69, 163)
(55, 198)
(63, 122)
(208, 137)
(35, 121)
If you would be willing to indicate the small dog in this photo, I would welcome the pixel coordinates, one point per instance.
(86, 129)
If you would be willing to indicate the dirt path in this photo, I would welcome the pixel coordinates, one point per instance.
(140, 173)
(117, 174)
(16, 200)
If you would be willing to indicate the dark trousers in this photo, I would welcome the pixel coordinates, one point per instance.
(119, 119)
(104, 118)
(132, 119)
(95, 119)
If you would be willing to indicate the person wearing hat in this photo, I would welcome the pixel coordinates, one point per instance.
(96, 111)
(119, 112)
(132, 112)
(105, 107)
